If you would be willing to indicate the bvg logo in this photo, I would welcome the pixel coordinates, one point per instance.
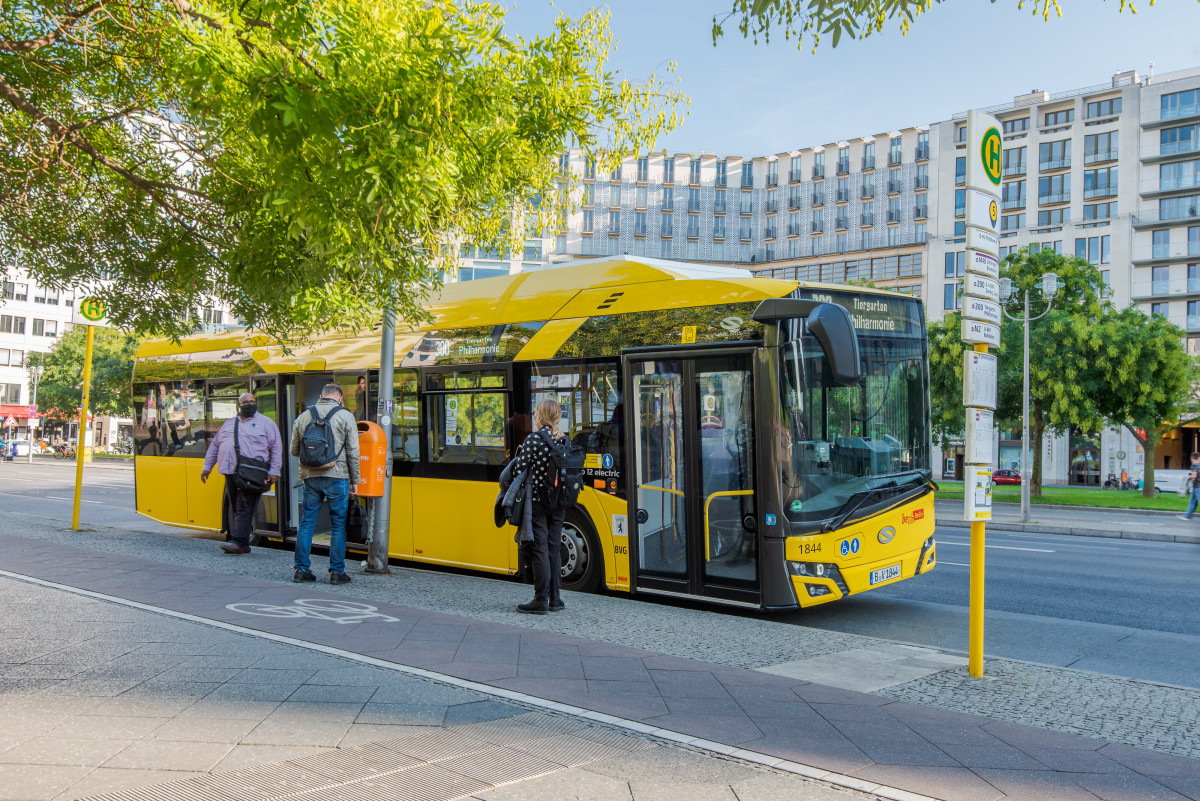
(990, 148)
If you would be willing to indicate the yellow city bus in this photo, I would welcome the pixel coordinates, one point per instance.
(751, 441)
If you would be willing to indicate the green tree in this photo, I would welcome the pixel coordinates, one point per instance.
(305, 161)
(1061, 388)
(1146, 378)
(60, 390)
(854, 19)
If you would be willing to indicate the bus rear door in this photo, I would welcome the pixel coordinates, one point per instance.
(692, 493)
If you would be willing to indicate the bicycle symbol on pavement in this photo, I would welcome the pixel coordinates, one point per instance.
(321, 609)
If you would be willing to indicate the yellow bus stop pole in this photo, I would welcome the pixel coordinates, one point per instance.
(83, 412)
(975, 613)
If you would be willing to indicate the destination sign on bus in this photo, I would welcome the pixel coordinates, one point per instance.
(894, 316)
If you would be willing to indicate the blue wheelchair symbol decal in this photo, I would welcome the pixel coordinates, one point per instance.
(845, 547)
(770, 520)
(607, 461)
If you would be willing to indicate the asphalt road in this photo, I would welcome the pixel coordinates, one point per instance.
(1128, 608)
(1124, 607)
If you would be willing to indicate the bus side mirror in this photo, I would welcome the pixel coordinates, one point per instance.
(833, 328)
(830, 323)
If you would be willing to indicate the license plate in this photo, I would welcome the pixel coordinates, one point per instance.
(885, 574)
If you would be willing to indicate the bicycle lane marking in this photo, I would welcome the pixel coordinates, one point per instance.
(334, 610)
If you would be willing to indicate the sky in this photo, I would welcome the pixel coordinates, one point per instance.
(761, 99)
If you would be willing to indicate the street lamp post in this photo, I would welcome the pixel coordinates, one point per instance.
(35, 372)
(1049, 287)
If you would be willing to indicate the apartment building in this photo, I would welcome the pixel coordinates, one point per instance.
(1109, 172)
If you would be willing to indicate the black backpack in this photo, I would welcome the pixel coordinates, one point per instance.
(317, 448)
(562, 486)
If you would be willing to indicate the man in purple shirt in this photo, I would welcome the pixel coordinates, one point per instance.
(258, 438)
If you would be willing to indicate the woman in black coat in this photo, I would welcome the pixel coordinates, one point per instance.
(547, 517)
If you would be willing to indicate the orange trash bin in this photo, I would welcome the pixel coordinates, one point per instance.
(372, 457)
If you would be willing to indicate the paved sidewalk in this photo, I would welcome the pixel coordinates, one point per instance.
(101, 700)
(859, 740)
(1080, 521)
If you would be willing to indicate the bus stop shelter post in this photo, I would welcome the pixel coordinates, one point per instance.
(975, 616)
(377, 549)
(83, 413)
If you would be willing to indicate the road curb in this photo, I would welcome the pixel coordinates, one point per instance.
(1038, 528)
(1063, 507)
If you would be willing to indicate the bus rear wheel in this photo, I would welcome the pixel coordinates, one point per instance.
(582, 561)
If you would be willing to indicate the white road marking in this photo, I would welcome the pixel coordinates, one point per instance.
(944, 562)
(72, 500)
(1001, 547)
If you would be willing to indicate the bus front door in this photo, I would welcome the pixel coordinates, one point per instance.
(693, 493)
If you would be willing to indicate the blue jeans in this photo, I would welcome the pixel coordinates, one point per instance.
(1192, 501)
(316, 490)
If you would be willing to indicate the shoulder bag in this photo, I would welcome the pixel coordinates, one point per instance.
(250, 474)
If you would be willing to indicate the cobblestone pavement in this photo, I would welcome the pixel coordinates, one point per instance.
(99, 699)
(1151, 716)
(1131, 712)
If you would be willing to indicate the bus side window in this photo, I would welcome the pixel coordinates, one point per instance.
(467, 427)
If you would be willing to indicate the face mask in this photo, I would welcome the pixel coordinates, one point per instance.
(249, 409)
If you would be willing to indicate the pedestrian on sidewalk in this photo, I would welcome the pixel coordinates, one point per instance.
(546, 517)
(246, 436)
(1194, 486)
(325, 437)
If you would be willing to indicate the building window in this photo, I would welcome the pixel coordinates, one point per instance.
(639, 223)
(719, 203)
(1178, 140)
(585, 245)
(1161, 243)
(1059, 117)
(643, 169)
(1099, 183)
(894, 150)
(1180, 104)
(669, 171)
(560, 244)
(956, 264)
(1101, 147)
(668, 199)
(747, 173)
(867, 237)
(1015, 126)
(639, 247)
(1104, 108)
(893, 235)
(919, 233)
(744, 253)
(721, 172)
(894, 186)
(1178, 208)
(1096, 249)
(744, 228)
(1012, 195)
(589, 169)
(1012, 222)
(747, 201)
(1014, 161)
(960, 202)
(922, 179)
(922, 145)
(1158, 309)
(614, 196)
(960, 170)
(1100, 211)
(868, 156)
(666, 229)
(693, 229)
(589, 194)
(1054, 155)
(843, 190)
(614, 222)
(950, 299)
(718, 228)
(694, 171)
(639, 200)
(588, 220)
(893, 210)
(693, 200)
(615, 175)
(818, 221)
(1053, 217)
(868, 212)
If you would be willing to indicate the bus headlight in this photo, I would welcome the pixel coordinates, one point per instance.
(819, 570)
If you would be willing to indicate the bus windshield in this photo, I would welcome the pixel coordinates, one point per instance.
(839, 443)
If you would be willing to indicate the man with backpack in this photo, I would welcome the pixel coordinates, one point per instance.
(325, 438)
(553, 468)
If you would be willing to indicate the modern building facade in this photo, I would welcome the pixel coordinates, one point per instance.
(1109, 172)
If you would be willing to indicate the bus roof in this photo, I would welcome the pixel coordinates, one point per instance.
(573, 291)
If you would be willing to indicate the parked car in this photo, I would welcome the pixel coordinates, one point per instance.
(6, 448)
(1006, 477)
(1169, 480)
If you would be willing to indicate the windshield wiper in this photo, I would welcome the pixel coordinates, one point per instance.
(868, 493)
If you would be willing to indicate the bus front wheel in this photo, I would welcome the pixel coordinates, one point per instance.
(582, 561)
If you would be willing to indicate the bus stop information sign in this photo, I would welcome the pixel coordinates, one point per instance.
(981, 319)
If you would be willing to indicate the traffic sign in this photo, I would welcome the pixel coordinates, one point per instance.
(983, 210)
(32, 408)
(10, 422)
(981, 287)
(975, 332)
(984, 241)
(984, 150)
(980, 309)
(983, 264)
(90, 311)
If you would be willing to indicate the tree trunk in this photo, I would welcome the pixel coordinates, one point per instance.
(1153, 436)
(1035, 444)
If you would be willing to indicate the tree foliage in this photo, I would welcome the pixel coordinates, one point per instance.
(60, 390)
(305, 161)
(809, 21)
(1145, 376)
